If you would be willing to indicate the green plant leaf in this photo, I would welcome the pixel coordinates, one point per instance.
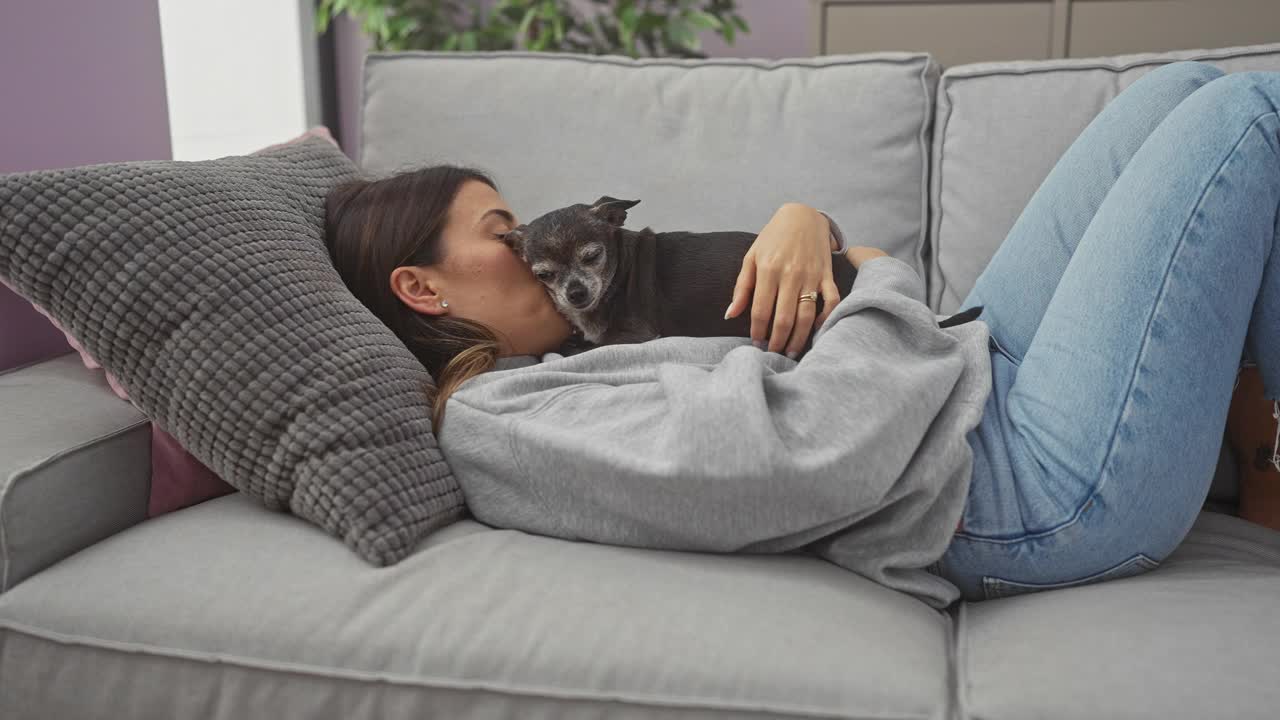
(324, 13)
(522, 32)
(628, 18)
(633, 27)
(544, 37)
(727, 32)
(704, 20)
(680, 34)
(628, 21)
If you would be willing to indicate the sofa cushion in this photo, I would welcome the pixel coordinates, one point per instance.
(1000, 128)
(478, 623)
(206, 289)
(1194, 638)
(705, 144)
(75, 464)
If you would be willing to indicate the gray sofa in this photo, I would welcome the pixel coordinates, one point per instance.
(227, 610)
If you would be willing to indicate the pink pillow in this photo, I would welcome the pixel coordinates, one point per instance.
(178, 479)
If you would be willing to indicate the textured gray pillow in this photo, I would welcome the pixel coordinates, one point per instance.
(207, 290)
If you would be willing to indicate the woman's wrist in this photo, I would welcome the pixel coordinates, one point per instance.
(826, 227)
(859, 254)
(837, 241)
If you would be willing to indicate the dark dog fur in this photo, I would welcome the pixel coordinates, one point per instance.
(609, 283)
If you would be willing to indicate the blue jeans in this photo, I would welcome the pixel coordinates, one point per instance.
(1123, 303)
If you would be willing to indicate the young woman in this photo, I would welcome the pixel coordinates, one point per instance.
(1120, 307)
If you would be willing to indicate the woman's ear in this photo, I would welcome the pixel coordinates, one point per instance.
(416, 290)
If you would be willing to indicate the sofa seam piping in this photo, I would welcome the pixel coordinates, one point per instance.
(944, 84)
(32, 363)
(923, 137)
(953, 704)
(867, 59)
(1115, 68)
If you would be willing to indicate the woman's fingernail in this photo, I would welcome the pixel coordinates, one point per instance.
(792, 355)
(726, 312)
(760, 344)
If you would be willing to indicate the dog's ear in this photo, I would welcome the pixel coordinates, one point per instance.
(515, 238)
(612, 210)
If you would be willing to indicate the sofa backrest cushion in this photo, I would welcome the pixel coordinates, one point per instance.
(1000, 127)
(704, 144)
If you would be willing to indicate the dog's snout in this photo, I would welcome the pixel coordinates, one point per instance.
(577, 295)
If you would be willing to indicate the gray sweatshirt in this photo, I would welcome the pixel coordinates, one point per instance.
(855, 453)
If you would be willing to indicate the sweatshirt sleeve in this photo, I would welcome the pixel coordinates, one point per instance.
(836, 235)
(709, 444)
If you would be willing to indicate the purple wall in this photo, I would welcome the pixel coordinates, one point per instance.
(83, 84)
(779, 29)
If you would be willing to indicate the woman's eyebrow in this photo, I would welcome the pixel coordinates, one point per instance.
(500, 213)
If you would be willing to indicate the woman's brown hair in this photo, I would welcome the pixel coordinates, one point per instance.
(375, 226)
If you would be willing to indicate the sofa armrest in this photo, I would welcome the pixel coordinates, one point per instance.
(75, 464)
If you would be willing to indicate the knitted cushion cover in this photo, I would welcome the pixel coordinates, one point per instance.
(206, 289)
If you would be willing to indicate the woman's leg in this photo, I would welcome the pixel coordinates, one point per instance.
(1115, 418)
(1021, 277)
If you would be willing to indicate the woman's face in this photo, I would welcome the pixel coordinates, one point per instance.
(482, 279)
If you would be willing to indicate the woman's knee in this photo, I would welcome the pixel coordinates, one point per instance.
(1179, 79)
(1244, 95)
(1190, 72)
(1235, 101)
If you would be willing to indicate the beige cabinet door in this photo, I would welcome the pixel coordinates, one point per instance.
(1115, 27)
(966, 31)
(953, 32)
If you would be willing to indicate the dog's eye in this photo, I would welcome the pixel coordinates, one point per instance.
(544, 275)
(591, 256)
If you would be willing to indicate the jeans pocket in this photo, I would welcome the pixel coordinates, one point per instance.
(995, 587)
(994, 344)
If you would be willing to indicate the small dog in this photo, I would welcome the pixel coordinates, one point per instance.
(608, 283)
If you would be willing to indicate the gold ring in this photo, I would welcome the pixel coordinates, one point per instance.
(810, 296)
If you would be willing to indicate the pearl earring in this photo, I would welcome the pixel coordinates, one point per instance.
(444, 304)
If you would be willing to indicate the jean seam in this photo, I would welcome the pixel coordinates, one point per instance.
(1001, 349)
(940, 133)
(1139, 362)
(1141, 559)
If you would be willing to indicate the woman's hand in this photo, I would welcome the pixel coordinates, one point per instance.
(791, 255)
